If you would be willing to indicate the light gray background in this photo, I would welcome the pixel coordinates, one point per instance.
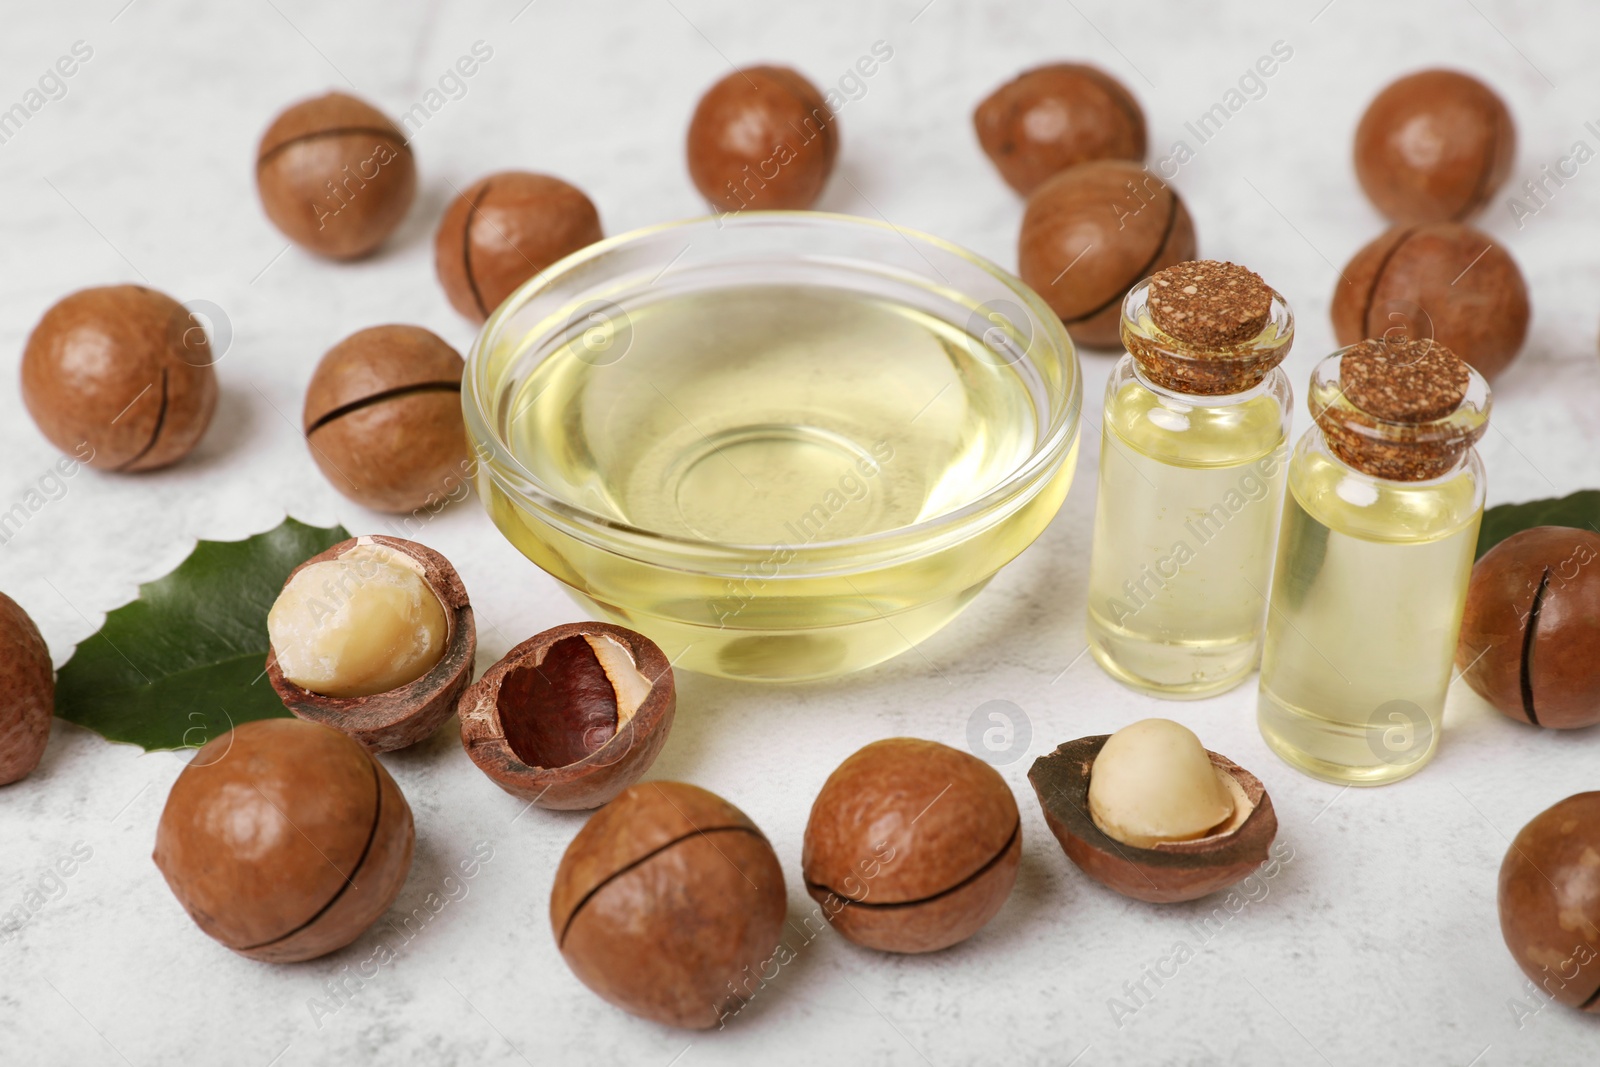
(1377, 943)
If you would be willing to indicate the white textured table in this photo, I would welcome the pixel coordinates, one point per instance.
(1378, 942)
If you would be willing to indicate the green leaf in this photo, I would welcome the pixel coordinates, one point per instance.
(186, 661)
(1581, 509)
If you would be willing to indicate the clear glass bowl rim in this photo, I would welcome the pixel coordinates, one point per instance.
(526, 491)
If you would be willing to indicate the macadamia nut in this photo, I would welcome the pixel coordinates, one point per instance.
(1153, 782)
(361, 624)
(572, 716)
(631, 686)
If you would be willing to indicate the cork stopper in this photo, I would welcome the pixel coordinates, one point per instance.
(1405, 410)
(1210, 304)
(1404, 380)
(1206, 328)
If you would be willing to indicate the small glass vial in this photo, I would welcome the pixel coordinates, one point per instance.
(1379, 531)
(1192, 460)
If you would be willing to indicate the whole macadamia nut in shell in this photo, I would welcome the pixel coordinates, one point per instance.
(335, 175)
(1434, 146)
(1090, 234)
(668, 903)
(121, 377)
(1057, 116)
(383, 418)
(27, 693)
(1446, 282)
(1530, 632)
(762, 139)
(1550, 901)
(284, 840)
(504, 229)
(911, 845)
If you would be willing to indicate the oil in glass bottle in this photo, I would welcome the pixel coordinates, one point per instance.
(1379, 533)
(1192, 459)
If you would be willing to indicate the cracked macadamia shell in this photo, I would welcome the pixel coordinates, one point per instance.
(504, 229)
(1530, 633)
(284, 840)
(120, 377)
(1166, 872)
(1445, 282)
(1094, 231)
(335, 175)
(382, 418)
(1550, 901)
(572, 716)
(410, 713)
(27, 693)
(911, 845)
(669, 903)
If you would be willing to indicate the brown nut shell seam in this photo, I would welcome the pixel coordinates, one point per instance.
(335, 138)
(1168, 873)
(911, 845)
(1444, 281)
(651, 829)
(934, 922)
(374, 882)
(1531, 626)
(526, 678)
(310, 895)
(667, 901)
(383, 722)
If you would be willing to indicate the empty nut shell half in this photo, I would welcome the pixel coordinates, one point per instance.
(912, 845)
(572, 716)
(284, 840)
(386, 721)
(1167, 872)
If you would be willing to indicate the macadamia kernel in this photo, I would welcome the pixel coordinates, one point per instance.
(361, 624)
(1154, 782)
(631, 686)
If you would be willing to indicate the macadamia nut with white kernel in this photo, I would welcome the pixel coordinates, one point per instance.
(364, 623)
(1153, 782)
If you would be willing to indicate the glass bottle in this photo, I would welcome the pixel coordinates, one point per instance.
(1379, 533)
(1192, 459)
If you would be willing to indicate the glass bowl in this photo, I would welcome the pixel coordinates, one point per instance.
(783, 445)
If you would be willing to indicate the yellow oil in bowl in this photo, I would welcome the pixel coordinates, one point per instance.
(778, 464)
